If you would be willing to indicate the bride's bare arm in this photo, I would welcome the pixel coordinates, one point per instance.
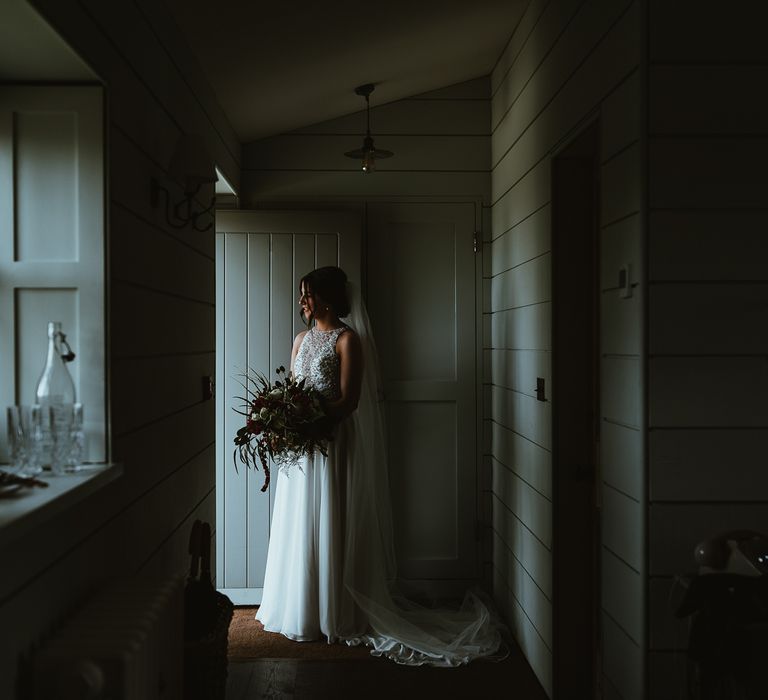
(350, 354)
(296, 344)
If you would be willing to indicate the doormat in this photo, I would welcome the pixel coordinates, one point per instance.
(248, 640)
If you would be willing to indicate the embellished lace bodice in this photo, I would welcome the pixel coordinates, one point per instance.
(318, 362)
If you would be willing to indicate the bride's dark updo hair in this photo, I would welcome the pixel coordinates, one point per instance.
(329, 283)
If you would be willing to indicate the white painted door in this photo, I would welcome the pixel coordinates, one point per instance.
(422, 301)
(260, 258)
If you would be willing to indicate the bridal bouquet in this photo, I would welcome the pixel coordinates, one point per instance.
(284, 421)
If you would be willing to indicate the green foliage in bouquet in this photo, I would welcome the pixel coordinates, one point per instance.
(284, 421)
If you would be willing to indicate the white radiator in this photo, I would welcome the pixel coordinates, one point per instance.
(126, 643)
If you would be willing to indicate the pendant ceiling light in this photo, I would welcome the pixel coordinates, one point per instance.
(368, 154)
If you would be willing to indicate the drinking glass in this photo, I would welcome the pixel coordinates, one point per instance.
(25, 437)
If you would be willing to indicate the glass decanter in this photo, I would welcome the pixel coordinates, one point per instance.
(55, 393)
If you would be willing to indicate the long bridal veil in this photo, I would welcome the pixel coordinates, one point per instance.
(399, 629)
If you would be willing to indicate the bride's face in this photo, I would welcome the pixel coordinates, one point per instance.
(311, 304)
(306, 302)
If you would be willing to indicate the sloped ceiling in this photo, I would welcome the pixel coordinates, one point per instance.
(279, 66)
(31, 51)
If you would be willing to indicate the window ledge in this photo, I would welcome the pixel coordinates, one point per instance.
(24, 513)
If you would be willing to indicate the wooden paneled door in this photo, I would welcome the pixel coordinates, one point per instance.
(260, 257)
(421, 284)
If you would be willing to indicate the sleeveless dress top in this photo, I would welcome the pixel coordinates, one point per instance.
(318, 363)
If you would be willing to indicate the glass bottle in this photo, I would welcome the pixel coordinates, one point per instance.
(55, 393)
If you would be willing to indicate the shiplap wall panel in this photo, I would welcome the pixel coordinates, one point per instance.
(620, 515)
(169, 324)
(622, 660)
(157, 320)
(617, 581)
(681, 101)
(528, 239)
(499, 78)
(433, 117)
(620, 186)
(513, 369)
(524, 414)
(532, 508)
(528, 549)
(161, 76)
(620, 119)
(702, 246)
(709, 319)
(464, 152)
(683, 31)
(573, 93)
(621, 458)
(530, 597)
(169, 391)
(620, 244)
(129, 187)
(621, 390)
(688, 465)
(449, 160)
(525, 328)
(523, 285)
(707, 172)
(517, 201)
(531, 462)
(132, 236)
(525, 633)
(723, 392)
(309, 184)
(566, 61)
(621, 323)
(549, 25)
(706, 251)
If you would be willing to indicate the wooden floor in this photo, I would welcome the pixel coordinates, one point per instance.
(280, 679)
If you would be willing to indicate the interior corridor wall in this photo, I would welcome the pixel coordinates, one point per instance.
(161, 340)
(708, 295)
(567, 63)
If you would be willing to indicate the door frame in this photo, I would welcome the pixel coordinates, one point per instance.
(448, 588)
(271, 222)
(575, 378)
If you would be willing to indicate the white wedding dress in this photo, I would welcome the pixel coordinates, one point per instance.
(331, 565)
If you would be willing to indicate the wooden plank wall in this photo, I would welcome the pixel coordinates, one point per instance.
(161, 339)
(568, 62)
(708, 294)
(440, 140)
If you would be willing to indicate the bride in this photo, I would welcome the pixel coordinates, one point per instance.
(331, 562)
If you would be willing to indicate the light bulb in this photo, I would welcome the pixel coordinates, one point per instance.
(369, 162)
